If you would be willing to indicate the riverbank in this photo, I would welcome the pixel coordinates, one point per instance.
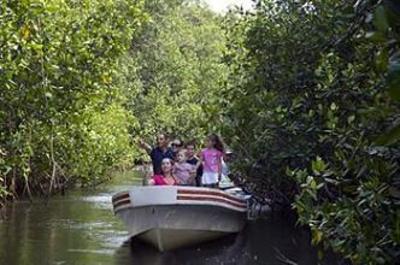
(61, 188)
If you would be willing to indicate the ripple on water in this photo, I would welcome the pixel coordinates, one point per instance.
(100, 198)
(106, 251)
(101, 201)
(104, 231)
(81, 225)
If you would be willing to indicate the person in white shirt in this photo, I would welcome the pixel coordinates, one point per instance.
(225, 180)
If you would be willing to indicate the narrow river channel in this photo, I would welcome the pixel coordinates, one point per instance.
(80, 228)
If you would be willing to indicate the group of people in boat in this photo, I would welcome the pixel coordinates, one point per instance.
(175, 163)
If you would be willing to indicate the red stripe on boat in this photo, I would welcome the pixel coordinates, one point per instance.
(215, 193)
(210, 199)
(122, 202)
(120, 197)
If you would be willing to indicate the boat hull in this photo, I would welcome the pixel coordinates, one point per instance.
(174, 217)
(168, 239)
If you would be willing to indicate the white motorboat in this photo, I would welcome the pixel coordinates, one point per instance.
(169, 217)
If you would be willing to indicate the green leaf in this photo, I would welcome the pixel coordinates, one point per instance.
(380, 19)
(318, 166)
(376, 36)
(382, 60)
(350, 119)
(316, 236)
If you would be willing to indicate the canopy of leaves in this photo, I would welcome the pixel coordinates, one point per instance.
(80, 78)
(178, 70)
(309, 87)
(61, 119)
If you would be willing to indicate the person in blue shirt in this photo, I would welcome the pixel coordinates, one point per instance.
(159, 152)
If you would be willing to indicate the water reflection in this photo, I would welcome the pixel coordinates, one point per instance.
(80, 228)
(263, 242)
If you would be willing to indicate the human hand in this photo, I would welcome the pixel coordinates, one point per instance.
(151, 182)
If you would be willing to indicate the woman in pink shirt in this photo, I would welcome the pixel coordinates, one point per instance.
(166, 177)
(211, 159)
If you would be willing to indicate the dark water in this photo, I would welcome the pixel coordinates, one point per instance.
(80, 228)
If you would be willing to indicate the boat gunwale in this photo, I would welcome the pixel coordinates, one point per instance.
(128, 205)
(210, 199)
(212, 192)
(186, 189)
(198, 196)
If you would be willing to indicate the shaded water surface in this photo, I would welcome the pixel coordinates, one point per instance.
(80, 228)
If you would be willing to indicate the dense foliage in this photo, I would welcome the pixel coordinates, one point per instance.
(306, 93)
(178, 70)
(310, 104)
(81, 79)
(61, 115)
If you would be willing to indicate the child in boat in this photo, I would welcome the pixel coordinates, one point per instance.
(166, 177)
(211, 159)
(193, 160)
(184, 172)
(176, 146)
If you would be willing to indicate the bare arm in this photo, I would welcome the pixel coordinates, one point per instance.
(199, 163)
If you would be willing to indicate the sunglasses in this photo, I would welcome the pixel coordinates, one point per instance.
(176, 145)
